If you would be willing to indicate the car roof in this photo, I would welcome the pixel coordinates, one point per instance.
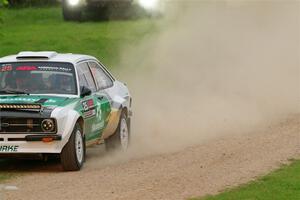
(46, 56)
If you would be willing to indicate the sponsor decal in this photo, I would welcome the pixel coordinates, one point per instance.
(9, 67)
(99, 113)
(89, 113)
(9, 148)
(26, 68)
(5, 68)
(89, 108)
(99, 126)
(48, 68)
(25, 100)
(88, 104)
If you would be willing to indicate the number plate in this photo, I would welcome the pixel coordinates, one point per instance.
(9, 148)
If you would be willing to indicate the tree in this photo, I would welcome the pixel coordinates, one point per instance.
(3, 3)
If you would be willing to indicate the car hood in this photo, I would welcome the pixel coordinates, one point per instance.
(45, 101)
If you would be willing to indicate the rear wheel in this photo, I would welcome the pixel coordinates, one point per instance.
(120, 139)
(73, 154)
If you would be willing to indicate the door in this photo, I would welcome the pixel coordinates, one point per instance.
(94, 106)
(103, 82)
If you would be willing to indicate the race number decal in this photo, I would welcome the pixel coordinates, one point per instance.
(89, 108)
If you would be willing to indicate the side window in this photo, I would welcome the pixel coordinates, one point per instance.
(85, 76)
(102, 79)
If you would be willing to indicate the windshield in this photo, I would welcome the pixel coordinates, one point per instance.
(37, 78)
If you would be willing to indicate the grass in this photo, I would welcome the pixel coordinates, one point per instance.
(4, 176)
(44, 29)
(282, 184)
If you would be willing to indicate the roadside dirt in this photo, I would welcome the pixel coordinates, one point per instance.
(195, 171)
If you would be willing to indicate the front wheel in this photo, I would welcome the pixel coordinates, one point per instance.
(120, 139)
(73, 153)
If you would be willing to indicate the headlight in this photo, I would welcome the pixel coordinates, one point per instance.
(48, 125)
(149, 4)
(73, 2)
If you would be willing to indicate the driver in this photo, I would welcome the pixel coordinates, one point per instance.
(23, 80)
(10, 82)
(64, 82)
(60, 82)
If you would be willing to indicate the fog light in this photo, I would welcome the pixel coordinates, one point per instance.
(47, 125)
(47, 139)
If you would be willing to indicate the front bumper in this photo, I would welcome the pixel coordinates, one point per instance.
(30, 144)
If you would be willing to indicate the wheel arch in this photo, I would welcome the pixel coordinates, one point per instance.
(125, 110)
(80, 121)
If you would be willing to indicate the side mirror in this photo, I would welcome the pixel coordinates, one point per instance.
(85, 91)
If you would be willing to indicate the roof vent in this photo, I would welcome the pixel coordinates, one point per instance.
(36, 55)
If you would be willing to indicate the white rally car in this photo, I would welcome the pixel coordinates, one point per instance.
(59, 104)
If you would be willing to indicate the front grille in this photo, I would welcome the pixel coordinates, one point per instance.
(21, 125)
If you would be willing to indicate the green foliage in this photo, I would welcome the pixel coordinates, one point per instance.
(30, 3)
(281, 184)
(3, 3)
(4, 176)
(44, 29)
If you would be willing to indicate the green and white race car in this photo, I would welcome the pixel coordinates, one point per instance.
(59, 104)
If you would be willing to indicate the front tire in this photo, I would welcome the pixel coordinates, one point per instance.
(73, 153)
(120, 139)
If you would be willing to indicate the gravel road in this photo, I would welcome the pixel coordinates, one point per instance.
(195, 171)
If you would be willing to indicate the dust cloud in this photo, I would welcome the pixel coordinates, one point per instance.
(213, 68)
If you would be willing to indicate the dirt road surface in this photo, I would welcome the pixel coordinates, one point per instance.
(195, 171)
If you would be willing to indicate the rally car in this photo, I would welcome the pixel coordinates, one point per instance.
(59, 104)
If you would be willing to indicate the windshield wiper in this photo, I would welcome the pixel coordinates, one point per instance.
(13, 92)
